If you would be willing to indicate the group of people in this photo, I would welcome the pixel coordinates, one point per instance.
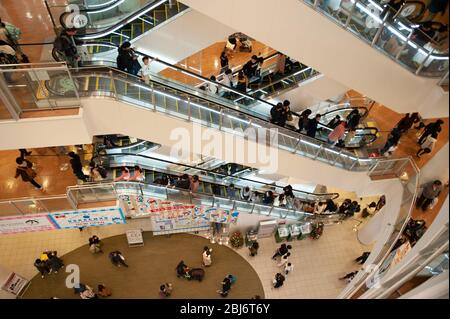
(360, 260)
(125, 174)
(87, 292)
(282, 255)
(183, 271)
(48, 262)
(427, 138)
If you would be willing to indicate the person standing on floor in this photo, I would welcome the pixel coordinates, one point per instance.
(54, 262)
(430, 191)
(281, 251)
(226, 286)
(278, 281)
(42, 267)
(434, 127)
(288, 268)
(77, 167)
(117, 259)
(206, 256)
(254, 249)
(392, 140)
(284, 260)
(66, 46)
(362, 259)
(95, 245)
(427, 145)
(223, 61)
(25, 170)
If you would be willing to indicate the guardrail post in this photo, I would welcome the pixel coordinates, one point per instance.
(189, 108)
(397, 56)
(423, 62)
(17, 208)
(113, 84)
(318, 151)
(153, 97)
(350, 16)
(220, 119)
(380, 29)
(296, 145)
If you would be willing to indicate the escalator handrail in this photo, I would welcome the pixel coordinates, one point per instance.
(122, 22)
(94, 184)
(324, 144)
(92, 8)
(208, 81)
(335, 195)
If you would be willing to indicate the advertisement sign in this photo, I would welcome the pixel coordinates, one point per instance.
(88, 218)
(14, 284)
(27, 223)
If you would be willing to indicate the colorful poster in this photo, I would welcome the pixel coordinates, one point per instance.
(88, 218)
(27, 223)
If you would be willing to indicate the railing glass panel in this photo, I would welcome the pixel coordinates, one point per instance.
(389, 32)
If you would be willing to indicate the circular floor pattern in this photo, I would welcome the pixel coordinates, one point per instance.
(150, 266)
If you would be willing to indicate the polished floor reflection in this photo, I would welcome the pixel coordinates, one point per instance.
(53, 173)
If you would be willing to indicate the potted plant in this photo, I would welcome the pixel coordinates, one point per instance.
(237, 240)
(317, 230)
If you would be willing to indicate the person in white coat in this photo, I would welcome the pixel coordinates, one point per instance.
(427, 145)
(206, 257)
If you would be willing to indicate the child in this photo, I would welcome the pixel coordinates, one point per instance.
(145, 70)
(288, 268)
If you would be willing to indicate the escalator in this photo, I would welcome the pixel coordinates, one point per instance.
(158, 171)
(120, 28)
(227, 96)
(111, 144)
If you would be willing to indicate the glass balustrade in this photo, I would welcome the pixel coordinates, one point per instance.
(390, 32)
(151, 165)
(100, 14)
(407, 172)
(178, 100)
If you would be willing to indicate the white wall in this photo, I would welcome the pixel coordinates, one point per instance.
(107, 116)
(313, 39)
(312, 93)
(182, 37)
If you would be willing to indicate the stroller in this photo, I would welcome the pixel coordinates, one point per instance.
(184, 271)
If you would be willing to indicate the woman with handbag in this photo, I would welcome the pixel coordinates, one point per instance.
(25, 170)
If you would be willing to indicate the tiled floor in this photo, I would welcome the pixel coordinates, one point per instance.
(318, 263)
(18, 251)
